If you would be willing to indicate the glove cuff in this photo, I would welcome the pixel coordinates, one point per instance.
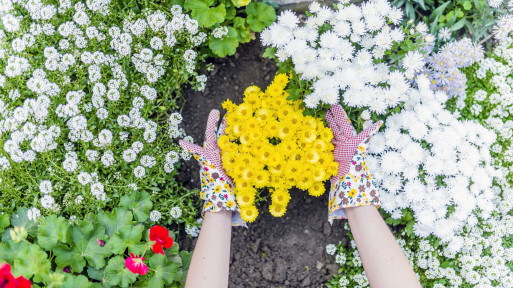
(217, 192)
(354, 189)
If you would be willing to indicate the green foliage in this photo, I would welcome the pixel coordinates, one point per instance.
(260, 16)
(58, 244)
(468, 18)
(226, 45)
(242, 21)
(206, 15)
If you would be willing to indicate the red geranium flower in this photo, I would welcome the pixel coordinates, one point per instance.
(161, 237)
(136, 265)
(7, 280)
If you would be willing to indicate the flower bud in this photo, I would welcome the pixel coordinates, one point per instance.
(18, 234)
(100, 242)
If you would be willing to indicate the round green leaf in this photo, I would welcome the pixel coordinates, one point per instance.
(260, 15)
(226, 45)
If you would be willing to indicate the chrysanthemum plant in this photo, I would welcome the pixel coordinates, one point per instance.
(353, 55)
(269, 143)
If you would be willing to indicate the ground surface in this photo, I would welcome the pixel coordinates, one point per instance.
(272, 252)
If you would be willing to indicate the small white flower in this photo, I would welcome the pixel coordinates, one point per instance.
(155, 216)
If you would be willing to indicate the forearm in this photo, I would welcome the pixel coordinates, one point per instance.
(384, 262)
(211, 259)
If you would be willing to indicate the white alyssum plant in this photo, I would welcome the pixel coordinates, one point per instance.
(85, 100)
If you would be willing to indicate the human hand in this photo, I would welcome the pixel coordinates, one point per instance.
(216, 185)
(353, 185)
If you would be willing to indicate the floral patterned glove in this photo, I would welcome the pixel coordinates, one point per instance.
(353, 185)
(216, 185)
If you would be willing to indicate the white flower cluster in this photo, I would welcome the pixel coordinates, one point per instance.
(499, 119)
(79, 106)
(427, 160)
(343, 57)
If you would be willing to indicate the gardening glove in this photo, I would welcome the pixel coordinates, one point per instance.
(353, 185)
(217, 188)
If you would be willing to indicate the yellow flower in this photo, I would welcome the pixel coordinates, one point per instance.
(217, 189)
(263, 114)
(309, 136)
(229, 105)
(319, 174)
(248, 174)
(269, 143)
(277, 210)
(196, 156)
(244, 111)
(312, 156)
(317, 189)
(251, 90)
(319, 145)
(284, 131)
(230, 204)
(261, 179)
(245, 198)
(249, 213)
(280, 196)
(352, 192)
(242, 185)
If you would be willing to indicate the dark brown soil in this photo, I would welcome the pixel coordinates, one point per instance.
(272, 252)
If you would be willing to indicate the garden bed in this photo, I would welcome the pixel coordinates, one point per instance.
(272, 252)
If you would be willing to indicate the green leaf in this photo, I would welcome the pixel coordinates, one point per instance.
(83, 247)
(52, 230)
(164, 272)
(96, 274)
(32, 261)
(4, 222)
(439, 11)
(186, 261)
(467, 5)
(204, 14)
(260, 15)
(421, 3)
(117, 274)
(20, 219)
(458, 25)
(139, 203)
(113, 221)
(127, 237)
(270, 52)
(243, 32)
(79, 281)
(9, 250)
(226, 45)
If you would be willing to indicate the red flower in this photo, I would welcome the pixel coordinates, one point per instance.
(7, 280)
(161, 237)
(136, 265)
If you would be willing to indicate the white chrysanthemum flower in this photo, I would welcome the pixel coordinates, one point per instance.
(413, 61)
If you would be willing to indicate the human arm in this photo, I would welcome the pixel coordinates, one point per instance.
(210, 261)
(353, 195)
(211, 258)
(383, 260)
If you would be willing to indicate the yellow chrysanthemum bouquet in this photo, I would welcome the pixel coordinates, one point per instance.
(270, 144)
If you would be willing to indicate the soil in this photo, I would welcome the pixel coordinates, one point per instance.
(273, 252)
